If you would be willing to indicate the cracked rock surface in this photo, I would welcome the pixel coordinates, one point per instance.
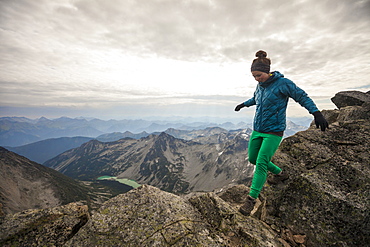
(148, 216)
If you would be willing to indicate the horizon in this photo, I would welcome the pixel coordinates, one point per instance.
(294, 110)
(170, 119)
(123, 58)
(19, 131)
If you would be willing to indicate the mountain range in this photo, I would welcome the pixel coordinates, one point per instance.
(44, 150)
(19, 131)
(169, 163)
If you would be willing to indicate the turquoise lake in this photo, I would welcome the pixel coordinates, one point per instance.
(126, 181)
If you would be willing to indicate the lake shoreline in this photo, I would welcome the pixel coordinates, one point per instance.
(126, 181)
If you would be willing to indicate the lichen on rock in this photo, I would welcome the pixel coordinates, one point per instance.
(145, 216)
(43, 227)
(148, 216)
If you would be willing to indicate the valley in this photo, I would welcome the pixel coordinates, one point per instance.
(172, 164)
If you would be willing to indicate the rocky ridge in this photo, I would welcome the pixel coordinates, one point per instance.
(324, 202)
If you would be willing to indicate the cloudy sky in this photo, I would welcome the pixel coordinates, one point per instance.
(138, 58)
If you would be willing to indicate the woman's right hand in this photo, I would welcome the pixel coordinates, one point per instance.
(240, 106)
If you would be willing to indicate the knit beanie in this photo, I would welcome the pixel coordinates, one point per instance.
(261, 63)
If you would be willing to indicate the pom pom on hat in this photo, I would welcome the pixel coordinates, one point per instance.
(261, 63)
(261, 54)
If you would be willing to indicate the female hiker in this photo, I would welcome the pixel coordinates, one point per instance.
(271, 99)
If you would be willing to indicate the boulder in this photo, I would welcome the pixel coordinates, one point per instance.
(43, 227)
(350, 98)
(147, 216)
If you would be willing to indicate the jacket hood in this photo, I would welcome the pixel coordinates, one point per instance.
(275, 75)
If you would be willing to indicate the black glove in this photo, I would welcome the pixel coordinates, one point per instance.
(320, 121)
(240, 106)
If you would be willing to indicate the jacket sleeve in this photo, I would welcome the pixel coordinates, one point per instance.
(251, 101)
(291, 90)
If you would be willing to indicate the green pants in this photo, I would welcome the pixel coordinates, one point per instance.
(261, 148)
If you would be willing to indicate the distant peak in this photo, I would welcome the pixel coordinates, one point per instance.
(43, 119)
(165, 135)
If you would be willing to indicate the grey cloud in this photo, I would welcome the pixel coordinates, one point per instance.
(66, 94)
(301, 37)
(330, 34)
(175, 29)
(194, 30)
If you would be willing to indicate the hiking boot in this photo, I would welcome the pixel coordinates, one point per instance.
(248, 206)
(277, 178)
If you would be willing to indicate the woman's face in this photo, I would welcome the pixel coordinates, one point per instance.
(260, 76)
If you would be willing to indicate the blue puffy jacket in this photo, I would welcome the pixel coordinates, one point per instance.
(271, 100)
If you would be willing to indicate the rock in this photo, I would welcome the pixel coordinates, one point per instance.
(43, 227)
(225, 218)
(299, 239)
(285, 243)
(327, 195)
(288, 235)
(236, 194)
(350, 98)
(147, 216)
(1, 210)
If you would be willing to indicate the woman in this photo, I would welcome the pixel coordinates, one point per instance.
(271, 99)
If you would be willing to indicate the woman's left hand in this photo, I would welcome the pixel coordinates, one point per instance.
(320, 121)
